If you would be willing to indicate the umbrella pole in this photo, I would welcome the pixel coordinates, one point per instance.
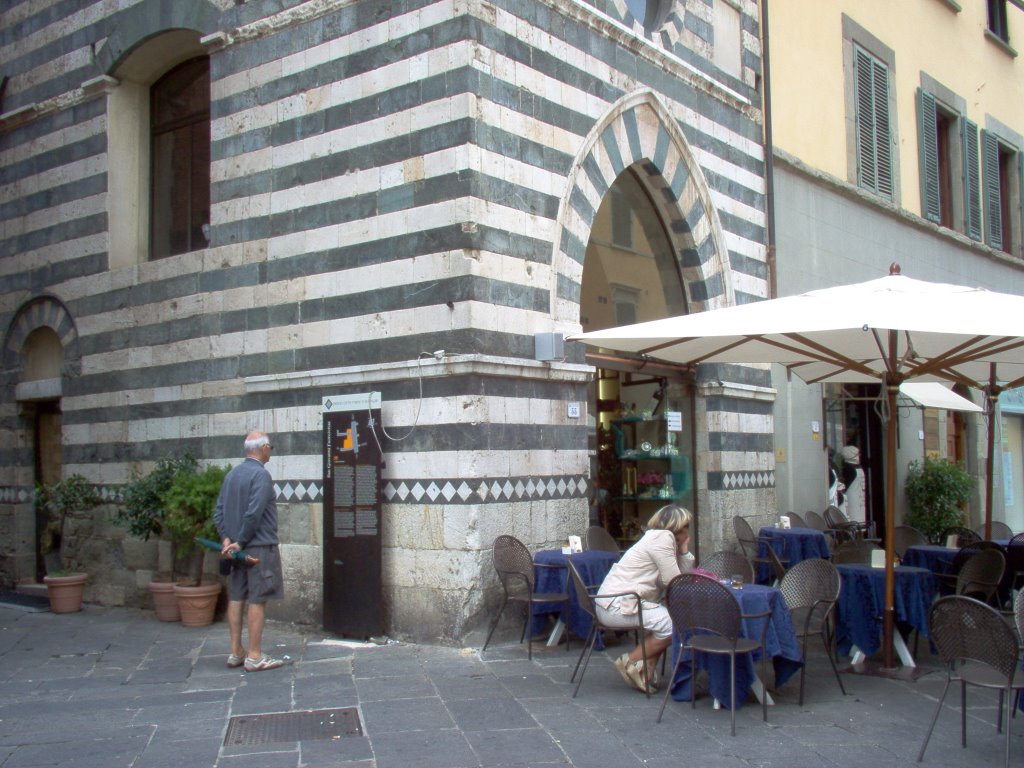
(991, 398)
(888, 617)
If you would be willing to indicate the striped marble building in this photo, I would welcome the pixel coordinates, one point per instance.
(402, 196)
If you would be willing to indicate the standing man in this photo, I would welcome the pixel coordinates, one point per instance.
(246, 518)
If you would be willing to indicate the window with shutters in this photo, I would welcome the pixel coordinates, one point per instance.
(947, 185)
(1001, 180)
(873, 123)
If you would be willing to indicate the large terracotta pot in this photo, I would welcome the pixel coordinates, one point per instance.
(165, 602)
(65, 592)
(197, 604)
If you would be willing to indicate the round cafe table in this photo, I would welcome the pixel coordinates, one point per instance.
(592, 564)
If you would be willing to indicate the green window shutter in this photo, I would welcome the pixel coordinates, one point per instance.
(928, 155)
(990, 179)
(883, 133)
(874, 144)
(972, 178)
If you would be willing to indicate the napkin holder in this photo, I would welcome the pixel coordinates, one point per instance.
(784, 519)
(878, 558)
(575, 545)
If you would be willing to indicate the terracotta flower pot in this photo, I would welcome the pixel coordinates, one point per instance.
(165, 602)
(65, 592)
(197, 604)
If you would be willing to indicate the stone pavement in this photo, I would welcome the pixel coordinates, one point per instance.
(114, 687)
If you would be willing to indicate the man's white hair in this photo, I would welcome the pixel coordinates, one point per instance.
(253, 444)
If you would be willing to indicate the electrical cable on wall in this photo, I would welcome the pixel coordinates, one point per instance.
(419, 403)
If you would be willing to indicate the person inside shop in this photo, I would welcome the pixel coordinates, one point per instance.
(647, 567)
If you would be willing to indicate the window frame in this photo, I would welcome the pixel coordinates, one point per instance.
(857, 37)
(196, 126)
(997, 21)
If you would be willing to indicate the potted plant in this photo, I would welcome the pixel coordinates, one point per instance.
(937, 491)
(141, 511)
(189, 502)
(65, 585)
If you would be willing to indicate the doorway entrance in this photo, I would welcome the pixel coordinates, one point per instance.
(643, 437)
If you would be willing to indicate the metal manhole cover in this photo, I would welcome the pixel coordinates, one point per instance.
(245, 730)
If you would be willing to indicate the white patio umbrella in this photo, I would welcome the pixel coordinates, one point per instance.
(887, 331)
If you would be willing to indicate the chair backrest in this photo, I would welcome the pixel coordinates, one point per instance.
(514, 564)
(963, 535)
(599, 538)
(968, 550)
(981, 573)
(726, 563)
(795, 520)
(583, 596)
(905, 536)
(814, 520)
(1000, 530)
(855, 551)
(965, 629)
(1018, 615)
(835, 517)
(1015, 554)
(699, 605)
(811, 582)
(745, 536)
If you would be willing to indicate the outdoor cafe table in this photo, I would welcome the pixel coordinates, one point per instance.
(861, 607)
(780, 640)
(593, 565)
(795, 543)
(939, 560)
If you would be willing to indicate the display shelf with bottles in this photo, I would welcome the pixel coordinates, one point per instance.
(654, 469)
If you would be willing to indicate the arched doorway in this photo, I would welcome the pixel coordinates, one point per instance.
(41, 346)
(643, 418)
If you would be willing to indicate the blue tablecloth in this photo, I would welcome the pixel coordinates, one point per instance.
(862, 603)
(939, 560)
(934, 557)
(593, 565)
(795, 543)
(780, 640)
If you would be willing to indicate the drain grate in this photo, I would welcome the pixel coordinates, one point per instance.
(245, 730)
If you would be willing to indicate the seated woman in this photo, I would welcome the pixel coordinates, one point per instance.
(646, 568)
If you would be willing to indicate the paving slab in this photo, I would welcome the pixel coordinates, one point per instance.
(128, 690)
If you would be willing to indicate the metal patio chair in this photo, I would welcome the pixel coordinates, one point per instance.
(811, 590)
(515, 567)
(977, 648)
(727, 563)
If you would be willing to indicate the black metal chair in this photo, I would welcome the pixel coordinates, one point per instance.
(1000, 530)
(906, 536)
(844, 528)
(599, 538)
(515, 567)
(981, 574)
(1015, 560)
(817, 522)
(811, 589)
(727, 563)
(586, 602)
(977, 648)
(948, 581)
(750, 544)
(707, 618)
(964, 536)
(854, 551)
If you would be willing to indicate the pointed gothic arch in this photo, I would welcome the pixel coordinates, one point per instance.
(638, 130)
